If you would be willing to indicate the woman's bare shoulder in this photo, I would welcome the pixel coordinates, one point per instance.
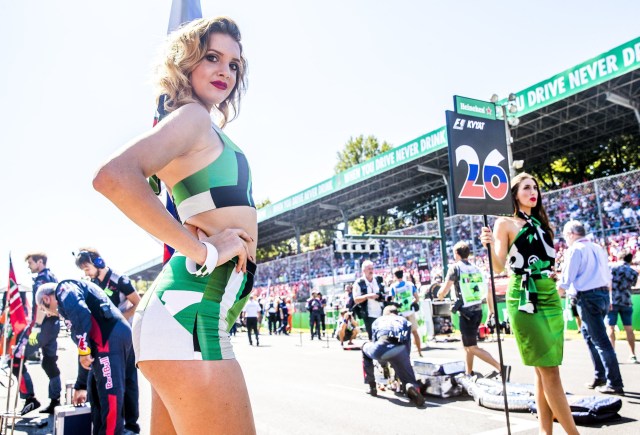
(505, 221)
(192, 113)
(508, 223)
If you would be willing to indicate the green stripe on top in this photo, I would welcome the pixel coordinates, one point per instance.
(227, 142)
(223, 171)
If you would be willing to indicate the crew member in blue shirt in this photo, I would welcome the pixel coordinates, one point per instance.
(391, 343)
(103, 337)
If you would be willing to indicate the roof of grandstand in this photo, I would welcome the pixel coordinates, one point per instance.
(568, 112)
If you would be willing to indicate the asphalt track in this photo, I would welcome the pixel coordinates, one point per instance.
(299, 386)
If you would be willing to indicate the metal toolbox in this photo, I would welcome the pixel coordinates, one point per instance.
(437, 366)
(72, 420)
(442, 385)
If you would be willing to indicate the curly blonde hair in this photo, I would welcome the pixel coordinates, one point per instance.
(185, 49)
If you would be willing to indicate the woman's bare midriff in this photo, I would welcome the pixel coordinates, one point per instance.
(217, 220)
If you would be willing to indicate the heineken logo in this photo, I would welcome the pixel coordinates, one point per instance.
(474, 108)
(471, 107)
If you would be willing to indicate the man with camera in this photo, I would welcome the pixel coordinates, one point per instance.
(368, 295)
(347, 327)
(470, 289)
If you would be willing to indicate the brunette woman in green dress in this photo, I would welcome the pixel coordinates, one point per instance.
(524, 244)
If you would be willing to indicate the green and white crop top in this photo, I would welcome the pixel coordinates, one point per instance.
(225, 182)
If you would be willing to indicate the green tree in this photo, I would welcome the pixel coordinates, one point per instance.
(316, 239)
(281, 249)
(359, 150)
(619, 154)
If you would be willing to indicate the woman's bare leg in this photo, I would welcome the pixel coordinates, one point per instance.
(161, 423)
(545, 415)
(556, 397)
(202, 397)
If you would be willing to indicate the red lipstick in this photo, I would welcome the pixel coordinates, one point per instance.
(220, 85)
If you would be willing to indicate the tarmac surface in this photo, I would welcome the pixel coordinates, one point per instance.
(300, 386)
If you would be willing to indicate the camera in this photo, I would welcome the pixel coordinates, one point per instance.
(457, 305)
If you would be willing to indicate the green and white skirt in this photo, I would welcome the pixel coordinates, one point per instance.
(184, 317)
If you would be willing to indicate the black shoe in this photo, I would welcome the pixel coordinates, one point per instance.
(414, 395)
(131, 428)
(424, 385)
(373, 389)
(607, 389)
(30, 404)
(51, 408)
(596, 383)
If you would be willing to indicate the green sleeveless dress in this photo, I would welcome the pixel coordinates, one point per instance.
(533, 303)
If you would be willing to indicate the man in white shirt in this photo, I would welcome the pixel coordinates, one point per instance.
(368, 294)
(587, 277)
(251, 315)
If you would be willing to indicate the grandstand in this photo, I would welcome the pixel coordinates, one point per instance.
(573, 111)
(609, 208)
(578, 109)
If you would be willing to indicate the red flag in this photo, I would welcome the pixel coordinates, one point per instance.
(17, 317)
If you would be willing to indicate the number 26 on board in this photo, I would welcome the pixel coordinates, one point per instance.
(494, 179)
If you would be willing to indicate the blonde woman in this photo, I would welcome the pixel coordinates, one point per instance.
(181, 326)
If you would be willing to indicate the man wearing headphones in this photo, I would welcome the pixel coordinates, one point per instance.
(117, 287)
(125, 297)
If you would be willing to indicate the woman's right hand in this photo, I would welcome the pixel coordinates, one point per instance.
(486, 236)
(230, 243)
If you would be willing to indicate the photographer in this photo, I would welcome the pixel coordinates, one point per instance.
(347, 327)
(368, 294)
(470, 289)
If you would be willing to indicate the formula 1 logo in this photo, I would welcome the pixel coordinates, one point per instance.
(459, 124)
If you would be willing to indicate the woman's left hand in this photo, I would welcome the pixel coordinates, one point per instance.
(486, 236)
(230, 243)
